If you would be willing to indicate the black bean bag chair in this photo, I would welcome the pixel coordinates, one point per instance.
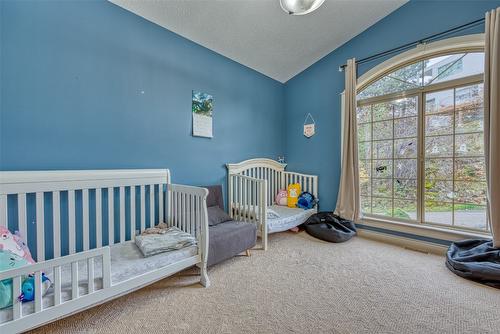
(329, 227)
(475, 259)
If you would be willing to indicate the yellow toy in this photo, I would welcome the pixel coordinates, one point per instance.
(293, 195)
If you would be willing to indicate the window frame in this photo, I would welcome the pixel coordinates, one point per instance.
(420, 93)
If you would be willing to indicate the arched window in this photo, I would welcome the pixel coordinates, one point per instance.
(420, 140)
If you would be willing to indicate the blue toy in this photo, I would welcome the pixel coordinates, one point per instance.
(306, 201)
(28, 288)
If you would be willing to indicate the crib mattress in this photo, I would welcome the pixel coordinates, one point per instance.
(289, 218)
(127, 262)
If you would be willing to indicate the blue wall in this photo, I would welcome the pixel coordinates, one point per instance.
(317, 89)
(72, 77)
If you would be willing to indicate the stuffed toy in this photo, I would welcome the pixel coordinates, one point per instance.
(293, 195)
(28, 288)
(14, 243)
(8, 260)
(281, 197)
(306, 201)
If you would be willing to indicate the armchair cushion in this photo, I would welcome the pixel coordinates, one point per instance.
(216, 216)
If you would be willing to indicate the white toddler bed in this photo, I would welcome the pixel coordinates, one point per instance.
(252, 188)
(86, 275)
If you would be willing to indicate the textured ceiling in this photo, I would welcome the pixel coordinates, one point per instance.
(259, 34)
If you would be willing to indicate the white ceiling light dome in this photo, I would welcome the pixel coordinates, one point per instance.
(300, 7)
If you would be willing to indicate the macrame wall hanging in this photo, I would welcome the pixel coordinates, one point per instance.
(309, 126)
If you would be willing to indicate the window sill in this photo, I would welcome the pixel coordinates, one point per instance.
(425, 231)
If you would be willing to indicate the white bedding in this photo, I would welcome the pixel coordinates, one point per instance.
(289, 218)
(127, 262)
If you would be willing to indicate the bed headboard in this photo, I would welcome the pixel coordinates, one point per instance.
(64, 212)
(263, 169)
(275, 175)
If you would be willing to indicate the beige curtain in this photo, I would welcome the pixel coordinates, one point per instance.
(348, 197)
(492, 119)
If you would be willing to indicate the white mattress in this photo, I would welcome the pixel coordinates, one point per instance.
(127, 262)
(289, 218)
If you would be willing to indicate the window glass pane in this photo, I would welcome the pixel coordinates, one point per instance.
(405, 189)
(470, 216)
(450, 67)
(364, 132)
(469, 109)
(365, 186)
(439, 169)
(382, 206)
(405, 127)
(440, 191)
(438, 213)
(365, 168)
(405, 209)
(384, 86)
(470, 192)
(382, 111)
(405, 148)
(405, 169)
(382, 130)
(364, 150)
(405, 107)
(439, 124)
(364, 114)
(437, 102)
(470, 169)
(382, 149)
(382, 187)
(441, 146)
(366, 204)
(382, 168)
(469, 144)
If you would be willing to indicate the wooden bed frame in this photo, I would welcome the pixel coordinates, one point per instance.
(177, 205)
(252, 188)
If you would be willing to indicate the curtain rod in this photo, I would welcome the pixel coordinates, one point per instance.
(420, 41)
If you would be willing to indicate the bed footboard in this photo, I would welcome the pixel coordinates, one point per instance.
(247, 202)
(187, 210)
(53, 268)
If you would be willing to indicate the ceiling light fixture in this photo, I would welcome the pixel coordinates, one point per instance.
(300, 7)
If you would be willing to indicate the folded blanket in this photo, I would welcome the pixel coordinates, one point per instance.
(170, 239)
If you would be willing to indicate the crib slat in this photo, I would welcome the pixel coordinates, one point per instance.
(160, 203)
(143, 208)
(3, 210)
(56, 222)
(151, 205)
(38, 291)
(16, 303)
(98, 217)
(122, 214)
(74, 280)
(132, 212)
(86, 224)
(90, 274)
(57, 285)
(111, 216)
(189, 211)
(21, 212)
(71, 221)
(177, 209)
(240, 198)
(40, 229)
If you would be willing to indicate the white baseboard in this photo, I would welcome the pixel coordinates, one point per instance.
(413, 244)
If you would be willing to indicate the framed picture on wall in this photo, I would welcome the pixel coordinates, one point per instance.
(202, 109)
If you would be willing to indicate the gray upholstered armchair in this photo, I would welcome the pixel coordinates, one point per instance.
(226, 237)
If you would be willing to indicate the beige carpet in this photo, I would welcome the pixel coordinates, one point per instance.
(303, 285)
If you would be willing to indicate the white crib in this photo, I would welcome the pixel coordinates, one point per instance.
(252, 187)
(65, 214)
